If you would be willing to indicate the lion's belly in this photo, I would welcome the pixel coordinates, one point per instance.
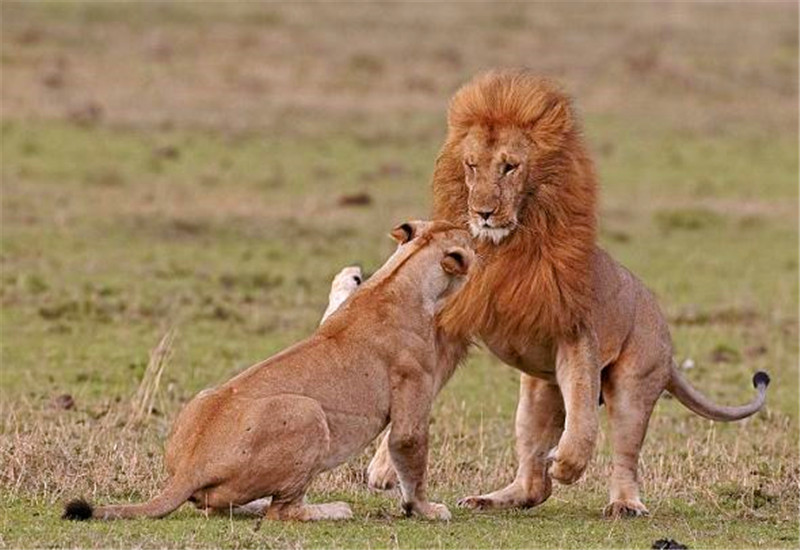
(536, 360)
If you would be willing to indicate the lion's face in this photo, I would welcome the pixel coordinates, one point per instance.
(496, 168)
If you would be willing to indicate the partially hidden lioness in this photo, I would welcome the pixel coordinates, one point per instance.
(268, 431)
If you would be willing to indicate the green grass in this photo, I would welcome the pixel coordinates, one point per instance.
(87, 291)
(217, 211)
(379, 525)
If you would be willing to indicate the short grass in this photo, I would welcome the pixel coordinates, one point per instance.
(203, 194)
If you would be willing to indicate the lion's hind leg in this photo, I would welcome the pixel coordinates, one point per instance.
(631, 388)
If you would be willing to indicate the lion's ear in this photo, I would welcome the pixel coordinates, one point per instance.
(402, 233)
(456, 261)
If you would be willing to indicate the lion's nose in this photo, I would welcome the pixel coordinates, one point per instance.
(485, 214)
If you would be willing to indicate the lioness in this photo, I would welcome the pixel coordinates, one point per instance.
(268, 431)
(545, 299)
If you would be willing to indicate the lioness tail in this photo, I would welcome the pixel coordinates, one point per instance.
(174, 494)
(702, 405)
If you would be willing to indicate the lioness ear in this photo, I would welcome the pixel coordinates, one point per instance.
(456, 261)
(402, 233)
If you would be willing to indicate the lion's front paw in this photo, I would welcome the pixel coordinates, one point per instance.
(428, 510)
(566, 467)
(625, 509)
(515, 495)
(477, 502)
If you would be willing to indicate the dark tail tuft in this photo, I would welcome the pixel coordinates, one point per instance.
(77, 510)
(760, 378)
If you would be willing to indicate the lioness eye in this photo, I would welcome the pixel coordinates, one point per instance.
(508, 168)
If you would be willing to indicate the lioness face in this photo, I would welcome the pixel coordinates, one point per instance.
(444, 253)
(496, 168)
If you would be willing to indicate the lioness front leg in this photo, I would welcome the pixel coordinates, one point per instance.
(381, 473)
(578, 375)
(538, 426)
(412, 396)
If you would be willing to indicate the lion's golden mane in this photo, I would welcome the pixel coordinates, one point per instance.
(537, 283)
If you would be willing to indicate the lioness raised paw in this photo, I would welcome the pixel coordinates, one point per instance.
(625, 509)
(344, 284)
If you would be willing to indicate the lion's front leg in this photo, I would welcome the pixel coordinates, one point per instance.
(578, 375)
(538, 426)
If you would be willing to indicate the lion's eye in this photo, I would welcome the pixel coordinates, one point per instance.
(509, 168)
(471, 166)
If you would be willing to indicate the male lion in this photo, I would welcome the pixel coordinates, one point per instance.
(545, 299)
(270, 430)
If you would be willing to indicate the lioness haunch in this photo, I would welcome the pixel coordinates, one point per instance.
(268, 431)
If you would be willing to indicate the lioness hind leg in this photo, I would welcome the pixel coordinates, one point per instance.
(298, 510)
(630, 393)
(254, 508)
(539, 424)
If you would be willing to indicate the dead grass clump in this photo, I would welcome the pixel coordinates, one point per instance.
(143, 402)
(53, 454)
(114, 449)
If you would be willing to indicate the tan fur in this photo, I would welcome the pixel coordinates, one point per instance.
(343, 285)
(268, 431)
(544, 298)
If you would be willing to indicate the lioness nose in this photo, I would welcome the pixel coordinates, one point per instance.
(485, 213)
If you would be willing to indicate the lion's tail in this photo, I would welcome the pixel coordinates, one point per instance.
(702, 405)
(174, 494)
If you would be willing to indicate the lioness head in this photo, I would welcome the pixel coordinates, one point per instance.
(510, 135)
(439, 251)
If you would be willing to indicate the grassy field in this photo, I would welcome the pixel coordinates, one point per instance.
(191, 167)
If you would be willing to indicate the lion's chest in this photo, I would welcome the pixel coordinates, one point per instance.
(536, 358)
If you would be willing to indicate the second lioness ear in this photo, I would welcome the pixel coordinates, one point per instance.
(456, 261)
(402, 233)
